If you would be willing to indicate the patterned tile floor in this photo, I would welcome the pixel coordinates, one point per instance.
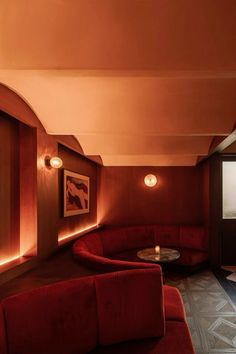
(211, 315)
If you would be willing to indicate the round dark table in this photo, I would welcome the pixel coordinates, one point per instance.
(165, 255)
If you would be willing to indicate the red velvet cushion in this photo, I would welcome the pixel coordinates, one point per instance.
(165, 236)
(113, 240)
(190, 257)
(193, 237)
(138, 237)
(109, 265)
(90, 242)
(175, 341)
(92, 261)
(60, 318)
(116, 240)
(3, 348)
(128, 255)
(174, 309)
(130, 305)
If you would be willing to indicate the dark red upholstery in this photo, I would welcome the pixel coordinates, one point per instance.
(138, 237)
(61, 319)
(130, 317)
(109, 248)
(99, 263)
(193, 237)
(191, 257)
(175, 341)
(174, 309)
(93, 244)
(113, 242)
(78, 316)
(166, 236)
(3, 347)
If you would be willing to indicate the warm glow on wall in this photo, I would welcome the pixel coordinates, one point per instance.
(9, 259)
(150, 180)
(78, 232)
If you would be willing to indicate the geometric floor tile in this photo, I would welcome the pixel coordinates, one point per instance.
(215, 302)
(224, 330)
(195, 334)
(186, 305)
(207, 283)
(218, 333)
(211, 315)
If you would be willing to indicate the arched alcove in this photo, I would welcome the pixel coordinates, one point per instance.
(13, 104)
(18, 174)
(34, 194)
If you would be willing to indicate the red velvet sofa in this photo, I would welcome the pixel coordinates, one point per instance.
(127, 312)
(113, 248)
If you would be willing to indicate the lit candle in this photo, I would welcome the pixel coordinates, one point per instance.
(157, 249)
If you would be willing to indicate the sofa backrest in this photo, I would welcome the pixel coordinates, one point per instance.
(194, 237)
(165, 235)
(75, 316)
(96, 250)
(90, 242)
(112, 240)
(131, 302)
(60, 318)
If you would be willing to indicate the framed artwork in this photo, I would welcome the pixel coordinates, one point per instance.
(76, 193)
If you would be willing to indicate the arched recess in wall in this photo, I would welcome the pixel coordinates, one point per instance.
(39, 201)
(12, 103)
(19, 175)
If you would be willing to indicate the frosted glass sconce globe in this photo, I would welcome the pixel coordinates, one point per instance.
(54, 162)
(150, 180)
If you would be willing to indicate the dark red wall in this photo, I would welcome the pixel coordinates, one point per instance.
(77, 163)
(177, 198)
(9, 187)
(205, 197)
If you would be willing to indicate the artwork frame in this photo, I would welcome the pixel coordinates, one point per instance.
(76, 200)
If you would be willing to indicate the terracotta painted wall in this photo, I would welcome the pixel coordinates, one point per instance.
(124, 199)
(77, 163)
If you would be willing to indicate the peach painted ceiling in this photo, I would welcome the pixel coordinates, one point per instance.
(138, 82)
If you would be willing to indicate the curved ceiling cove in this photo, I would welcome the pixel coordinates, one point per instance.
(137, 82)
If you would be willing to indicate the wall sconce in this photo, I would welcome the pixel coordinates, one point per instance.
(54, 162)
(150, 180)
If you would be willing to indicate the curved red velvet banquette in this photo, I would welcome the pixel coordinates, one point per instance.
(127, 312)
(115, 248)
